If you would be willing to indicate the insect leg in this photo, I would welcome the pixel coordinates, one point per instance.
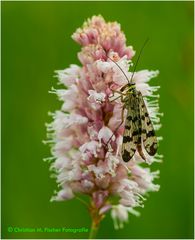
(122, 120)
(115, 98)
(115, 91)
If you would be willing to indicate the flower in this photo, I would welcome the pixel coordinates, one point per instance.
(85, 140)
(119, 214)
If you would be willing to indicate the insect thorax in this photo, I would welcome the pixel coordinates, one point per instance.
(129, 88)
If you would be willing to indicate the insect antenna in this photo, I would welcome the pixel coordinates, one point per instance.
(135, 62)
(138, 59)
(120, 69)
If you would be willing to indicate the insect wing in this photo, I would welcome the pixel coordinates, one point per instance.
(148, 133)
(130, 138)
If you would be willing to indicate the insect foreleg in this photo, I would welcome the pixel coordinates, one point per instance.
(119, 92)
(115, 98)
(121, 95)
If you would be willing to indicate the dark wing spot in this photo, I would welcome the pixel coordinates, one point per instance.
(129, 118)
(126, 156)
(139, 139)
(127, 139)
(146, 114)
(148, 123)
(134, 119)
(150, 133)
(127, 127)
(135, 133)
(153, 149)
(142, 117)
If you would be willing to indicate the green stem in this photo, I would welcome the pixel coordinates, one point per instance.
(94, 229)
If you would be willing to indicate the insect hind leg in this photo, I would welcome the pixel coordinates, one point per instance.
(122, 121)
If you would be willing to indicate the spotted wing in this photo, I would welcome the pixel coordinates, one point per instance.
(131, 133)
(148, 134)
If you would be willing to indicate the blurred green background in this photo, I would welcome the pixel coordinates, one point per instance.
(35, 42)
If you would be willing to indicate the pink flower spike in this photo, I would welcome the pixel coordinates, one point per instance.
(86, 134)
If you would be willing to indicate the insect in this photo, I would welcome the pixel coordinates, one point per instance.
(139, 129)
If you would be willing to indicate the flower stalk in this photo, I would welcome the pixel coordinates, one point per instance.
(96, 219)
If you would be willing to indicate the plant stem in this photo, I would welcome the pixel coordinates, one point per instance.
(96, 219)
(94, 229)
